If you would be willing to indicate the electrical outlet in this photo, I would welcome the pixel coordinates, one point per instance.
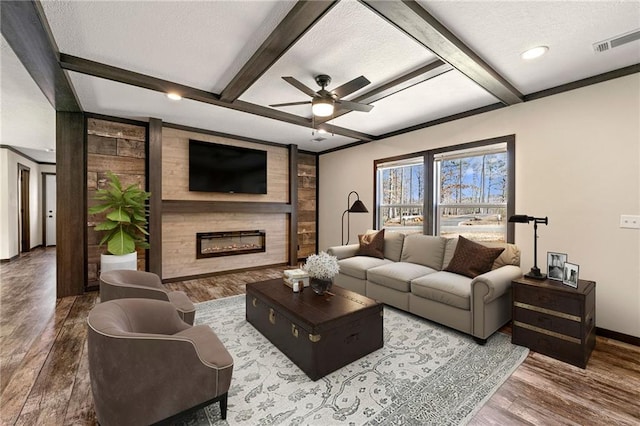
(629, 221)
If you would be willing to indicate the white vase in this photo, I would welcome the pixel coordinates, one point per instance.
(109, 262)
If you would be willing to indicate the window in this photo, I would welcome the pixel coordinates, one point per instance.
(472, 193)
(401, 188)
(467, 190)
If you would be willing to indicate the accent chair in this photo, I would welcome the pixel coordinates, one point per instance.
(124, 284)
(147, 365)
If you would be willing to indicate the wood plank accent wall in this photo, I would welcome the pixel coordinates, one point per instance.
(71, 251)
(186, 213)
(119, 148)
(307, 205)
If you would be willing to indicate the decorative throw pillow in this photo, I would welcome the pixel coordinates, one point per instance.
(372, 245)
(472, 259)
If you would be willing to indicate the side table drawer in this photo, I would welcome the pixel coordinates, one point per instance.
(529, 315)
(549, 300)
(564, 350)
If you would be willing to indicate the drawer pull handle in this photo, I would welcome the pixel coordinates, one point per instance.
(294, 330)
(272, 316)
(255, 302)
(315, 338)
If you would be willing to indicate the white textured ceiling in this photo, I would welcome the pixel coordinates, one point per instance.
(27, 119)
(499, 31)
(203, 44)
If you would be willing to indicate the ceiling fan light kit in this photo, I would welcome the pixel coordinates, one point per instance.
(322, 107)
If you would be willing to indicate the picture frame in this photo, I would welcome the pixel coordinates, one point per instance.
(570, 274)
(555, 265)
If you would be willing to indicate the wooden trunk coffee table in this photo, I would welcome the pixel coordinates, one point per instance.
(320, 334)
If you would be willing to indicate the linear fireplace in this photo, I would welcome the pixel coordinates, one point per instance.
(215, 244)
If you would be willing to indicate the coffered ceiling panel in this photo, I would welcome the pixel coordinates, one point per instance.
(348, 42)
(438, 97)
(499, 31)
(196, 43)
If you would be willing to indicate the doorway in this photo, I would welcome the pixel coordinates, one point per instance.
(49, 211)
(24, 223)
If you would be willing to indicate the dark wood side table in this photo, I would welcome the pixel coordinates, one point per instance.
(554, 319)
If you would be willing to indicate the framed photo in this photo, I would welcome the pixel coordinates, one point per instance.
(555, 265)
(570, 274)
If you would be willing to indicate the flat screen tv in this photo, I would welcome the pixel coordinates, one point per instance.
(223, 168)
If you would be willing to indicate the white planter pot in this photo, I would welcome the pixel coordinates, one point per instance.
(109, 262)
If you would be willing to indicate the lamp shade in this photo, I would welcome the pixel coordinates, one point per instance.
(322, 107)
(358, 207)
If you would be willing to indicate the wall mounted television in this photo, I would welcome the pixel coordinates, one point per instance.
(224, 168)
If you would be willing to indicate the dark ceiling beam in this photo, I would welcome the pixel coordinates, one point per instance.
(97, 69)
(422, 74)
(298, 21)
(25, 28)
(412, 19)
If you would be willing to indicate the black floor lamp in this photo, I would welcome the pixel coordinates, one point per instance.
(523, 218)
(356, 207)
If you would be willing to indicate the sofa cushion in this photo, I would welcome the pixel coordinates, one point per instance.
(425, 250)
(392, 244)
(357, 266)
(371, 244)
(444, 287)
(397, 275)
(472, 259)
(510, 255)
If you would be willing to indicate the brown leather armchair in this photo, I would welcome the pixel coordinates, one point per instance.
(124, 284)
(146, 365)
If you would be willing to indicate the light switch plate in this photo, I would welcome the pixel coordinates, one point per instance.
(629, 221)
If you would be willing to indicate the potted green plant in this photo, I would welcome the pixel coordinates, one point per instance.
(124, 223)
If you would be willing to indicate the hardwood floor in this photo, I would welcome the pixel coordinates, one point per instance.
(44, 378)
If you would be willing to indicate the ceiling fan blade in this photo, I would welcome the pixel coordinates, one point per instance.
(351, 86)
(355, 106)
(291, 104)
(295, 83)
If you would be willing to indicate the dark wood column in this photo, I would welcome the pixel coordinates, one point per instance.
(293, 200)
(154, 170)
(71, 201)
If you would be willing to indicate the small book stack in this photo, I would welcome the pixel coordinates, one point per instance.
(296, 275)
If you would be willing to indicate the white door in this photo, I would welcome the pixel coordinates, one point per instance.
(50, 206)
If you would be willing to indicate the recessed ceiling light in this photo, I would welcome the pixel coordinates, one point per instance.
(321, 130)
(535, 52)
(174, 96)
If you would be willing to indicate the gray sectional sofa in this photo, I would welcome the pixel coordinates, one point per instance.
(411, 277)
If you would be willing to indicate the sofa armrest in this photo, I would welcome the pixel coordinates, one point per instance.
(342, 252)
(490, 301)
(495, 283)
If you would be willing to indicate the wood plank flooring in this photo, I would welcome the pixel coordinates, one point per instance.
(44, 377)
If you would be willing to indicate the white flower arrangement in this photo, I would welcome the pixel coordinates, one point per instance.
(322, 266)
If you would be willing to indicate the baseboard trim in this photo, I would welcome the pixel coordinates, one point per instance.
(10, 259)
(213, 274)
(626, 338)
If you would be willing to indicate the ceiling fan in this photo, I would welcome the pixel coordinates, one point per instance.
(323, 101)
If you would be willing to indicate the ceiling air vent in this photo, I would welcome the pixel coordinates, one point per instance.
(603, 46)
(319, 139)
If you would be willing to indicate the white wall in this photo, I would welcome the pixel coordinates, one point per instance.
(9, 238)
(577, 161)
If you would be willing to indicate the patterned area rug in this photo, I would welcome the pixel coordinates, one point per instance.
(425, 374)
